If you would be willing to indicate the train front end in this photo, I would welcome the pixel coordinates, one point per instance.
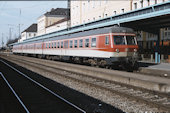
(125, 48)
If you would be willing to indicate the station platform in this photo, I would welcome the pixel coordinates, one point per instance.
(161, 69)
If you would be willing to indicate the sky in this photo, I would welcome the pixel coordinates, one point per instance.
(25, 13)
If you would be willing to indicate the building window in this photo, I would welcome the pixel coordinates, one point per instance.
(71, 44)
(135, 5)
(93, 3)
(93, 42)
(100, 2)
(114, 12)
(107, 40)
(87, 43)
(75, 43)
(123, 10)
(81, 43)
(141, 2)
(148, 2)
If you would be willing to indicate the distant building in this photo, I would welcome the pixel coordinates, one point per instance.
(61, 24)
(30, 32)
(50, 18)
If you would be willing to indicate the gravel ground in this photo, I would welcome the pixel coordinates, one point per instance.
(90, 104)
(106, 96)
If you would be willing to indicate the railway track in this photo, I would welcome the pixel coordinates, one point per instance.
(156, 101)
(34, 97)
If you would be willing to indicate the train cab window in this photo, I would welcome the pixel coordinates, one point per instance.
(93, 42)
(81, 43)
(61, 44)
(87, 43)
(55, 45)
(119, 40)
(58, 45)
(65, 44)
(75, 43)
(107, 40)
(131, 40)
(71, 44)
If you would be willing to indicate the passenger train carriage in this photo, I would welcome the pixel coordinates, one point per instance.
(102, 46)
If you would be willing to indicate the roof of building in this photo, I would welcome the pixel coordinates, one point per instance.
(58, 11)
(58, 22)
(32, 28)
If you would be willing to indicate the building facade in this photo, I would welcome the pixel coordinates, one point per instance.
(30, 32)
(59, 25)
(90, 10)
(50, 18)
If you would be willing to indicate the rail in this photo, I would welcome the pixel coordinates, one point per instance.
(66, 101)
(13, 91)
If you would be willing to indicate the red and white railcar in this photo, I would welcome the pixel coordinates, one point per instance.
(103, 46)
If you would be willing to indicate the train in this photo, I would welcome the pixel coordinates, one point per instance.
(98, 47)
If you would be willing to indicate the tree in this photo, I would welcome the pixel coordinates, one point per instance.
(10, 41)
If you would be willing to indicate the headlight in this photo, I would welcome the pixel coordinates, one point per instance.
(135, 50)
(117, 50)
(126, 49)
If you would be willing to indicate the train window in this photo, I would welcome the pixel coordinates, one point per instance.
(75, 43)
(61, 44)
(65, 44)
(107, 40)
(119, 40)
(71, 44)
(55, 45)
(87, 43)
(49, 45)
(130, 40)
(46, 45)
(58, 45)
(81, 43)
(93, 42)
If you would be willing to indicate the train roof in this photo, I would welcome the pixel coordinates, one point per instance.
(68, 35)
